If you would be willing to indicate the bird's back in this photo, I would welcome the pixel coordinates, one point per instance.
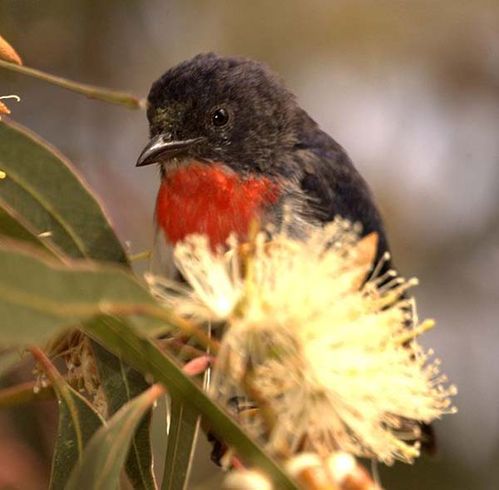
(333, 185)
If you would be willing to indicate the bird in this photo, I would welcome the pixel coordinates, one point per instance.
(233, 146)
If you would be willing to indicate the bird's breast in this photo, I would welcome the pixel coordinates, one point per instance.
(212, 200)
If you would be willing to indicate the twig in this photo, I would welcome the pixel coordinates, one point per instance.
(91, 91)
(25, 393)
(48, 368)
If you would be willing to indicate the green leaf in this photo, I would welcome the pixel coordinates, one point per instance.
(43, 188)
(182, 434)
(78, 421)
(38, 295)
(106, 452)
(49, 196)
(120, 338)
(121, 384)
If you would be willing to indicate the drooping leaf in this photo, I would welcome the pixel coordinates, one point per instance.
(121, 384)
(182, 434)
(42, 187)
(106, 452)
(50, 198)
(39, 296)
(77, 423)
(140, 352)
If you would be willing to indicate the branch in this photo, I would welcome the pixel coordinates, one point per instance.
(91, 91)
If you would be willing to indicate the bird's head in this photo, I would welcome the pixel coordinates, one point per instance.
(227, 110)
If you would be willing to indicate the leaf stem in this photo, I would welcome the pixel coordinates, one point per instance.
(54, 376)
(90, 91)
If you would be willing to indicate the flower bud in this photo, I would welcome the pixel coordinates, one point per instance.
(8, 53)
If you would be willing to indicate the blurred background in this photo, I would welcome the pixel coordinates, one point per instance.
(409, 88)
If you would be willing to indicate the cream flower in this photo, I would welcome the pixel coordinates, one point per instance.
(328, 361)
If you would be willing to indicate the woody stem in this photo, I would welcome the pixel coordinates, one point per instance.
(91, 91)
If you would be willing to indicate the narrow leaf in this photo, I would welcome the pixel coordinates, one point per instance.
(45, 190)
(70, 215)
(182, 434)
(146, 357)
(106, 452)
(77, 423)
(121, 384)
(39, 295)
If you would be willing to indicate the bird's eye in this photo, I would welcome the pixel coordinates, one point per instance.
(220, 117)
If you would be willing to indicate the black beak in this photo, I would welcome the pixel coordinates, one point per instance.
(161, 149)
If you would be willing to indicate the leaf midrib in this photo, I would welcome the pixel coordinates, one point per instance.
(50, 210)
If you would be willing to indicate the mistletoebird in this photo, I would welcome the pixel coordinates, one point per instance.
(234, 147)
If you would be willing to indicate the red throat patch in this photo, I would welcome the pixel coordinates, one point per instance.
(209, 199)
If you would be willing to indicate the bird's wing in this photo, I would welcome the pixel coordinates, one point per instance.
(335, 188)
